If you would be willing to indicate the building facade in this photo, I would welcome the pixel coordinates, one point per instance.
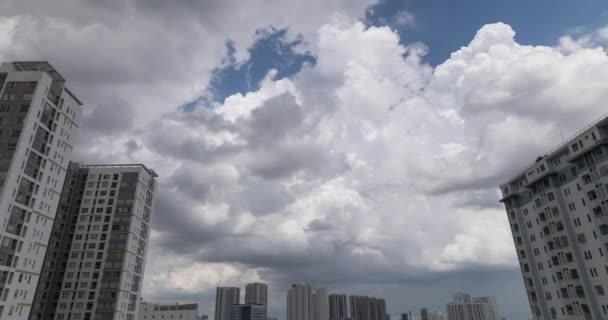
(470, 311)
(39, 118)
(225, 298)
(248, 311)
(558, 214)
(60, 241)
(320, 304)
(367, 308)
(154, 311)
(99, 244)
(307, 303)
(257, 293)
(424, 314)
(299, 298)
(464, 307)
(338, 306)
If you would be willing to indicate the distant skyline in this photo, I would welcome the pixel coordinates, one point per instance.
(353, 144)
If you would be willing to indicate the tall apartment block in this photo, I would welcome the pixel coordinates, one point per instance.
(225, 298)
(338, 307)
(464, 307)
(39, 118)
(257, 293)
(367, 308)
(307, 303)
(558, 212)
(97, 252)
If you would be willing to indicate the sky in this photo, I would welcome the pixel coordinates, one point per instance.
(356, 145)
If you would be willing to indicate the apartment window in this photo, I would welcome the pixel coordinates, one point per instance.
(4, 108)
(600, 290)
(24, 108)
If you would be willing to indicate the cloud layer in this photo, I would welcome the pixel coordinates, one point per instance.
(370, 172)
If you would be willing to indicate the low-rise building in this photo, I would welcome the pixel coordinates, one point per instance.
(149, 311)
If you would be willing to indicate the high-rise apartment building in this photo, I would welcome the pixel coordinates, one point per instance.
(257, 293)
(307, 303)
(155, 311)
(320, 305)
(299, 298)
(39, 118)
(57, 254)
(424, 314)
(225, 298)
(94, 269)
(492, 302)
(338, 306)
(367, 308)
(248, 311)
(558, 212)
(464, 307)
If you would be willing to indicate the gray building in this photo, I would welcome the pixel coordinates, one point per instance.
(39, 118)
(157, 311)
(424, 314)
(96, 265)
(225, 298)
(405, 316)
(558, 214)
(307, 303)
(57, 254)
(472, 309)
(320, 304)
(248, 311)
(257, 293)
(367, 308)
(338, 306)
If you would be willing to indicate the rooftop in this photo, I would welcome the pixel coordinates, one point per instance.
(565, 143)
(118, 166)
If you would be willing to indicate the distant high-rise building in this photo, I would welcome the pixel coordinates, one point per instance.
(299, 300)
(153, 311)
(492, 302)
(462, 297)
(257, 293)
(338, 306)
(320, 304)
(248, 312)
(405, 316)
(307, 303)
(424, 314)
(558, 217)
(39, 118)
(225, 298)
(367, 308)
(95, 265)
(466, 308)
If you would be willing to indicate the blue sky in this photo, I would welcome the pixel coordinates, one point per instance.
(442, 25)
